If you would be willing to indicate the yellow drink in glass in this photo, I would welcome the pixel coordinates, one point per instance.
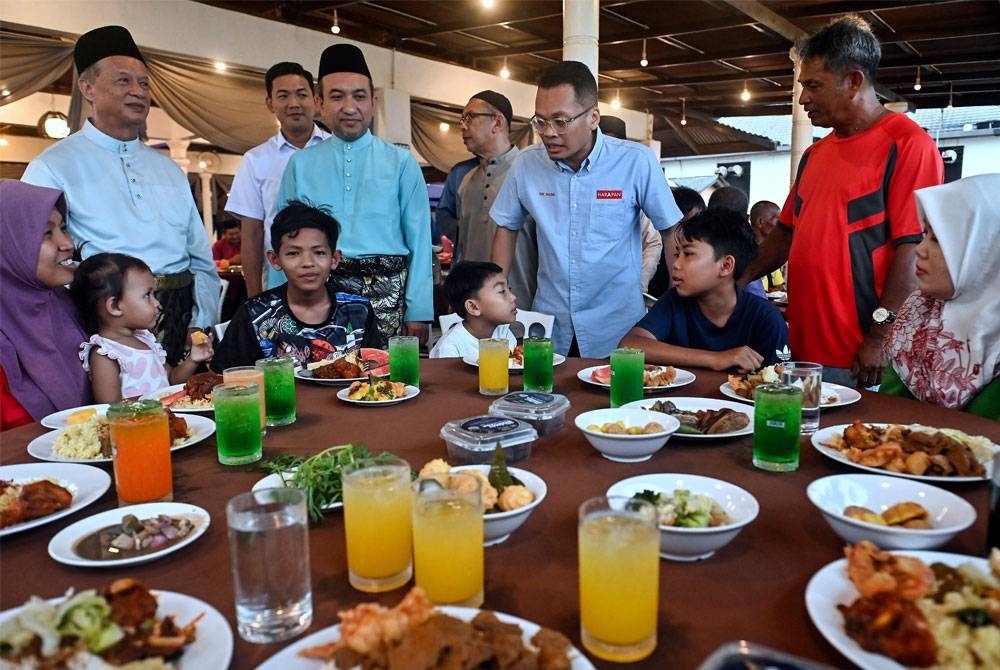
(448, 540)
(377, 502)
(619, 546)
(494, 372)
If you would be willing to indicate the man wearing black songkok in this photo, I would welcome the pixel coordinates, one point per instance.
(126, 197)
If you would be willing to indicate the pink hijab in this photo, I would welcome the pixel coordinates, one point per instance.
(947, 351)
(40, 334)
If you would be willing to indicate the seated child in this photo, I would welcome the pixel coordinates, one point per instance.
(114, 295)
(705, 320)
(477, 291)
(305, 319)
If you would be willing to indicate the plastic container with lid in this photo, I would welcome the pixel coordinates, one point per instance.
(473, 440)
(545, 411)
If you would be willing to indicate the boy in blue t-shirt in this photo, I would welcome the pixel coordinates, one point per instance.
(705, 320)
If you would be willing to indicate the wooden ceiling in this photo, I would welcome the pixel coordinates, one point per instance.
(701, 51)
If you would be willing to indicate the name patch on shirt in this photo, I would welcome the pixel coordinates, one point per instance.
(547, 194)
(608, 195)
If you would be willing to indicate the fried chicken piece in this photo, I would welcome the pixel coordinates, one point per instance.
(888, 624)
(32, 501)
(178, 427)
(200, 385)
(873, 572)
(131, 603)
(553, 648)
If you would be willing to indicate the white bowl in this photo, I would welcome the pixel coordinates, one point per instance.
(498, 527)
(948, 513)
(692, 544)
(626, 448)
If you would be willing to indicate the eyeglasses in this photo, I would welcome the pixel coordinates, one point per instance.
(558, 124)
(468, 117)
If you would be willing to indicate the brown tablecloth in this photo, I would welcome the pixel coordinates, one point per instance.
(752, 589)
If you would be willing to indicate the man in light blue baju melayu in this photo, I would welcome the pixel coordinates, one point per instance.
(585, 192)
(377, 193)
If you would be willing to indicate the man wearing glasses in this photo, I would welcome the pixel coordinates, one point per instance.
(585, 192)
(486, 132)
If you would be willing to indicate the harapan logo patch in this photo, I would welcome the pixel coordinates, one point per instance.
(604, 194)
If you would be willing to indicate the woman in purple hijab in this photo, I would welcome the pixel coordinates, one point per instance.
(40, 335)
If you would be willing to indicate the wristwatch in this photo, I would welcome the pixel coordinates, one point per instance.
(883, 317)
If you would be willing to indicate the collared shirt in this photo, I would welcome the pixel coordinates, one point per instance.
(254, 193)
(446, 214)
(589, 236)
(378, 194)
(476, 195)
(127, 198)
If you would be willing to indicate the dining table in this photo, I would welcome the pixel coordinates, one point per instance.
(752, 589)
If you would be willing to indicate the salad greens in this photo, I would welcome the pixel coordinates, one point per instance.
(685, 509)
(319, 475)
(85, 616)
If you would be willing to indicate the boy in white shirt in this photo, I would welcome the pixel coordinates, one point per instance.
(478, 292)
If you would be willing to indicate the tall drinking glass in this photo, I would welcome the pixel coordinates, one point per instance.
(404, 360)
(237, 422)
(538, 364)
(627, 366)
(494, 366)
(279, 390)
(245, 374)
(448, 539)
(377, 523)
(269, 555)
(777, 414)
(809, 378)
(140, 447)
(619, 545)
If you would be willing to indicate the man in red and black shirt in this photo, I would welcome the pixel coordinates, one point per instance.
(849, 226)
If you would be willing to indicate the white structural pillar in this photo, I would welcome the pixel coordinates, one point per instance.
(801, 126)
(580, 32)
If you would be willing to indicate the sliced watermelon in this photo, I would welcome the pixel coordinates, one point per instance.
(602, 375)
(377, 360)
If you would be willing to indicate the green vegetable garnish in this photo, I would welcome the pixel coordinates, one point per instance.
(499, 475)
(689, 430)
(319, 475)
(87, 616)
(973, 617)
(648, 495)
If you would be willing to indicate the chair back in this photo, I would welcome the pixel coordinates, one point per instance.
(223, 288)
(219, 330)
(448, 321)
(528, 319)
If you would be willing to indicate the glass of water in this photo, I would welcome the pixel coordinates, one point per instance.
(269, 552)
(809, 378)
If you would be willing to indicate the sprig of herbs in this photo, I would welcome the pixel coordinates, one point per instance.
(319, 475)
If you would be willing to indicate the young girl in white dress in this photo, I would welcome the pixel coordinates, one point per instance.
(114, 294)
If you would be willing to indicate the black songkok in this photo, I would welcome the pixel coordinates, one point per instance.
(499, 101)
(103, 42)
(342, 58)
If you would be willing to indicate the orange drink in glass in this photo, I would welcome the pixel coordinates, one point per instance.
(249, 373)
(140, 444)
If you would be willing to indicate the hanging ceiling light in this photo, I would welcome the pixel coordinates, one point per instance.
(443, 126)
(616, 103)
(645, 61)
(745, 93)
(916, 85)
(220, 66)
(335, 28)
(504, 72)
(684, 115)
(487, 3)
(54, 125)
(951, 94)
(5, 92)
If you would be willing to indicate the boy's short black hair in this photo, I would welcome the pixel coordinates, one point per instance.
(687, 199)
(726, 231)
(283, 68)
(297, 215)
(464, 281)
(729, 197)
(228, 224)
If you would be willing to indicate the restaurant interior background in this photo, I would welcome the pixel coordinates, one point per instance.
(427, 58)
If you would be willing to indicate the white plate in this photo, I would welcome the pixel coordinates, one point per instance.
(845, 394)
(58, 419)
(199, 428)
(61, 546)
(85, 482)
(824, 436)
(306, 376)
(557, 359)
(683, 379)
(411, 393)
(289, 659)
(278, 480)
(695, 404)
(830, 587)
(213, 647)
(156, 395)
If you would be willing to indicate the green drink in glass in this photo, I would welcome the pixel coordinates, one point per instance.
(404, 360)
(777, 416)
(237, 422)
(538, 364)
(627, 366)
(279, 390)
